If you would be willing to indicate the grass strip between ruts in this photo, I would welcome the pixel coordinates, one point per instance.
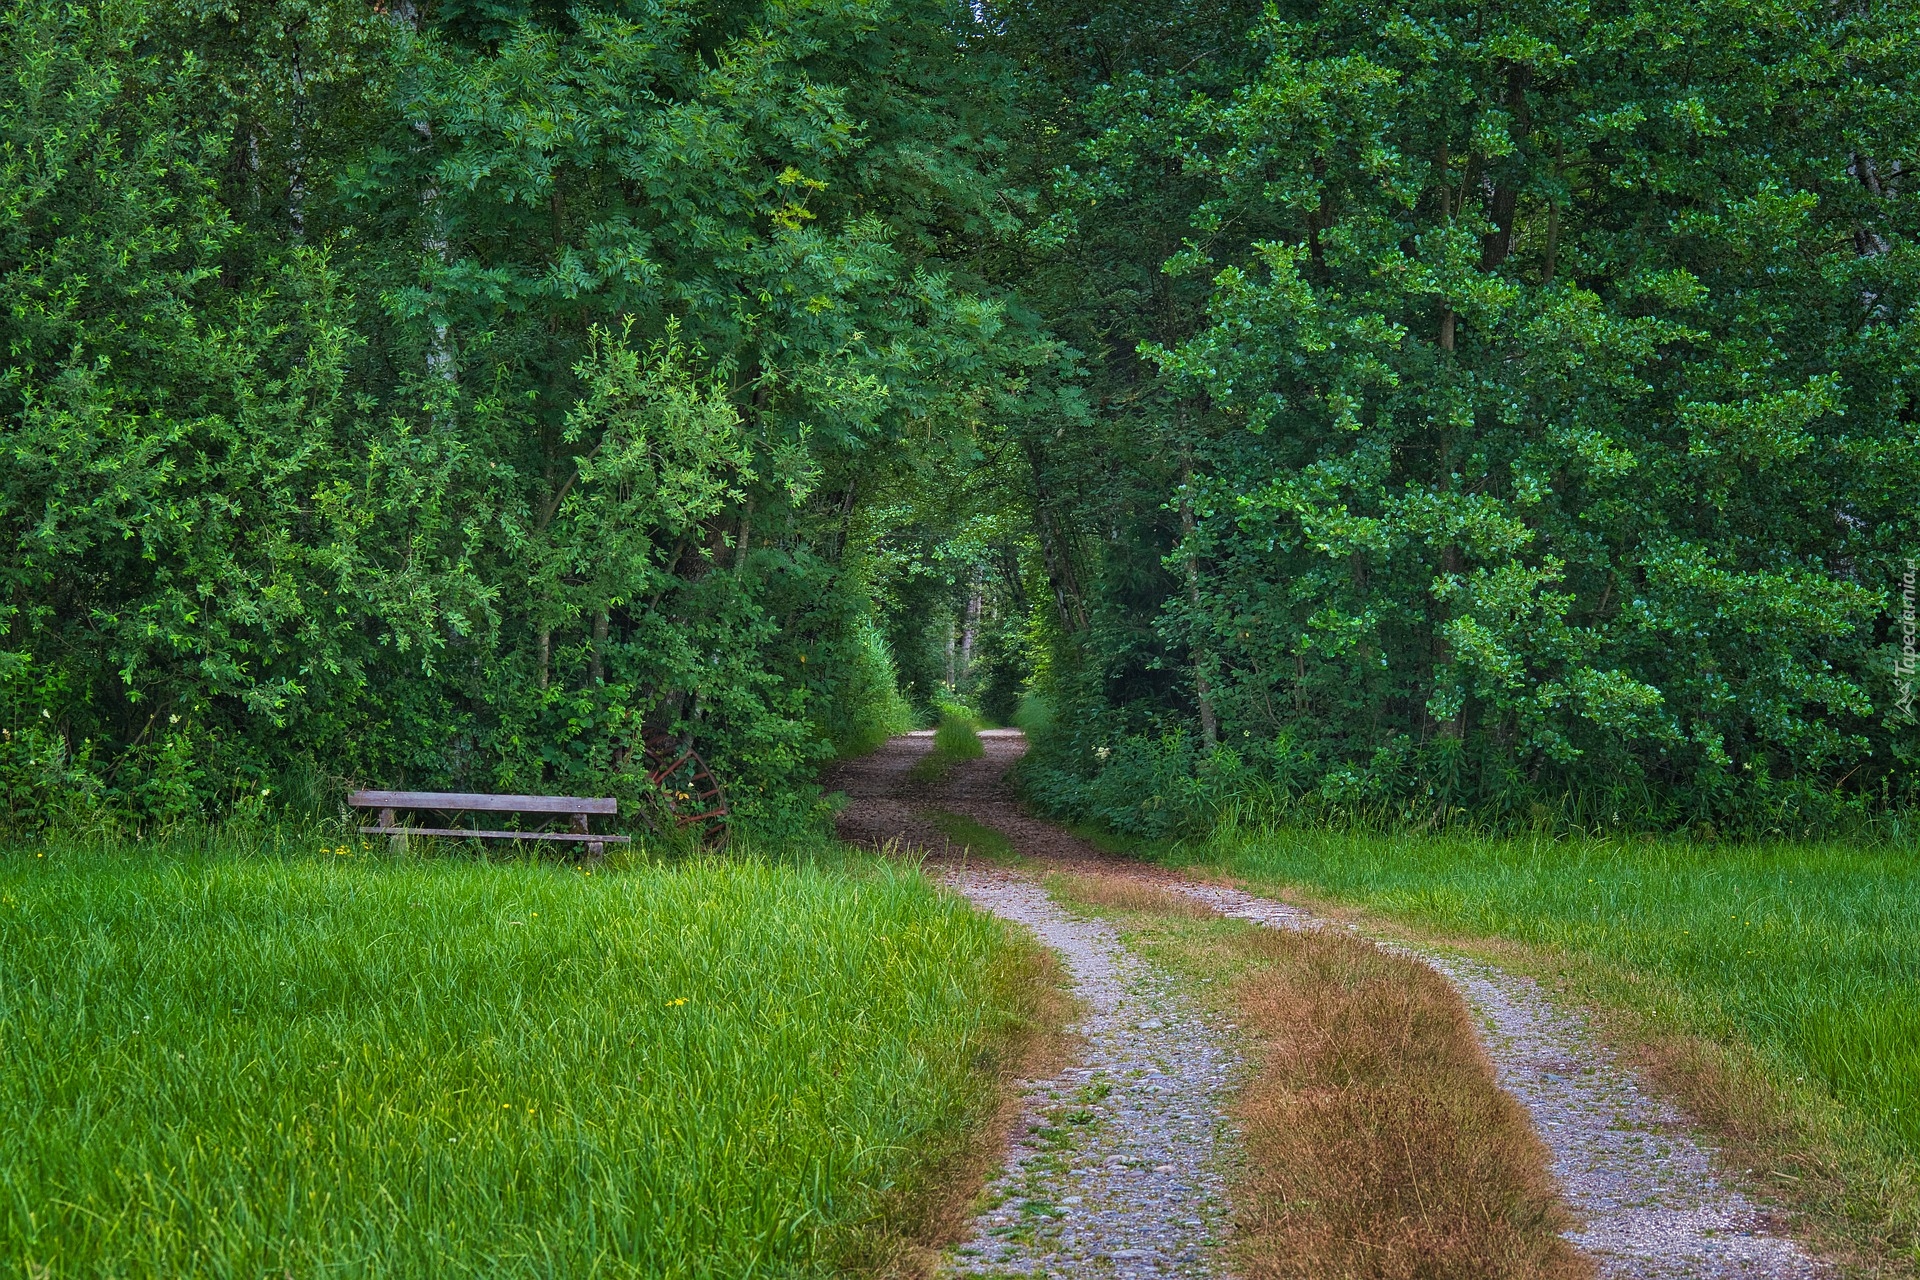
(955, 738)
(341, 1064)
(1378, 1145)
(975, 838)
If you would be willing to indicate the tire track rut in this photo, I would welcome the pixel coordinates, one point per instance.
(1642, 1183)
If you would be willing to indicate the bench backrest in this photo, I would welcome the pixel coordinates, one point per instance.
(473, 802)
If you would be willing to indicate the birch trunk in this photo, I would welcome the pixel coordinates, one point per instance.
(970, 632)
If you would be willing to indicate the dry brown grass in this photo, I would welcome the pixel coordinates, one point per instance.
(1378, 1144)
(1125, 893)
(1818, 1178)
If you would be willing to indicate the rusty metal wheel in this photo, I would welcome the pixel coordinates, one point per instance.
(692, 798)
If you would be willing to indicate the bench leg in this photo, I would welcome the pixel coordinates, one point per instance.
(595, 849)
(397, 844)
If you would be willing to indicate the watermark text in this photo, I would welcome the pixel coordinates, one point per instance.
(1904, 658)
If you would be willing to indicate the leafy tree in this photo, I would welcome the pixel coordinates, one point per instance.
(1550, 407)
(1444, 407)
(464, 395)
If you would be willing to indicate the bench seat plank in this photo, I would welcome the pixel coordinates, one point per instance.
(466, 832)
(468, 802)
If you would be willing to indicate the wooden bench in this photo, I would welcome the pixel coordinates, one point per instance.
(576, 808)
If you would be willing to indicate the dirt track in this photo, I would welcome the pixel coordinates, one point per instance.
(1645, 1186)
(885, 804)
(1117, 1166)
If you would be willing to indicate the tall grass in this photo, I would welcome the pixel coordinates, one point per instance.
(957, 736)
(868, 708)
(1808, 951)
(341, 1064)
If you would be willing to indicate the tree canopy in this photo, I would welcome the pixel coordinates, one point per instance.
(1510, 410)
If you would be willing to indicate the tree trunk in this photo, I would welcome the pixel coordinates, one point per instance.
(1553, 243)
(1011, 575)
(1443, 483)
(1056, 552)
(971, 630)
(440, 361)
(1867, 242)
(1495, 246)
(297, 151)
(1550, 259)
(843, 527)
(1202, 654)
(1454, 726)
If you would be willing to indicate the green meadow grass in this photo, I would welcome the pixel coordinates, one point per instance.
(1810, 953)
(325, 1065)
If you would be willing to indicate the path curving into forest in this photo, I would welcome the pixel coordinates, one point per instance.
(1117, 1165)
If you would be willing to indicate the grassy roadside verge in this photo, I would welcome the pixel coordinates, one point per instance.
(1773, 989)
(361, 1065)
(1377, 1142)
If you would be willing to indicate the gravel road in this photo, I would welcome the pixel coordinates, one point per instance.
(1642, 1183)
(1117, 1171)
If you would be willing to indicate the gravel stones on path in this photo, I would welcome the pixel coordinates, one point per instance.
(1117, 1167)
(1646, 1189)
(1642, 1184)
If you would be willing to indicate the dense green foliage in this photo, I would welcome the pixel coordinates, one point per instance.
(1810, 953)
(1445, 407)
(446, 395)
(1503, 407)
(316, 1062)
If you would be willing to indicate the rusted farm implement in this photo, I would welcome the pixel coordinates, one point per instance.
(692, 798)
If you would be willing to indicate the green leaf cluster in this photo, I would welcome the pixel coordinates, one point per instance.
(1514, 406)
(458, 395)
(1433, 409)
